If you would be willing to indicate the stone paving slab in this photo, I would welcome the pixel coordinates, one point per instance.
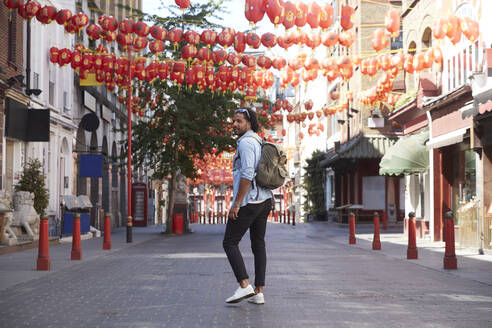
(313, 280)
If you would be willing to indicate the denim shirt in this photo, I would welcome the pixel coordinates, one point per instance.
(244, 166)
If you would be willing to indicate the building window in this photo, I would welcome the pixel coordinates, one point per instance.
(66, 101)
(12, 39)
(35, 80)
(51, 88)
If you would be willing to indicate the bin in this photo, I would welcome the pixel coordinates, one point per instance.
(178, 224)
(75, 204)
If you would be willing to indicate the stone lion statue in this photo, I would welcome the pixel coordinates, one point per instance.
(25, 216)
(8, 236)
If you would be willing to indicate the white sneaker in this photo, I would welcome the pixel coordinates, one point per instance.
(241, 294)
(257, 299)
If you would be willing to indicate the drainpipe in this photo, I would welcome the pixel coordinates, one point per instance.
(431, 180)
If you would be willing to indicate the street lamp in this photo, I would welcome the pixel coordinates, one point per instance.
(129, 223)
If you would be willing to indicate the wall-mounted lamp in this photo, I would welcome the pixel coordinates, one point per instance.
(35, 92)
(341, 121)
(353, 110)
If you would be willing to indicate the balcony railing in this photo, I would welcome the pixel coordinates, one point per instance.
(459, 63)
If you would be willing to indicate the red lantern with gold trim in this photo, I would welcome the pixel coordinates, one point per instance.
(156, 46)
(253, 40)
(188, 52)
(264, 62)
(301, 13)
(141, 29)
(379, 40)
(314, 13)
(93, 31)
(46, 14)
(254, 11)
(218, 56)
(284, 42)
(204, 54)
(269, 40)
(64, 57)
(80, 20)
(29, 9)
(274, 11)
(140, 42)
(290, 12)
(279, 63)
(233, 59)
(239, 42)
(54, 52)
(346, 17)
(158, 32)
(63, 16)
(226, 37)
(126, 26)
(346, 38)
(329, 39)
(76, 59)
(440, 28)
(12, 4)
(162, 70)
(209, 37)
(326, 16)
(392, 22)
(109, 23)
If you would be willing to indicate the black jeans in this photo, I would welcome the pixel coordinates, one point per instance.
(252, 217)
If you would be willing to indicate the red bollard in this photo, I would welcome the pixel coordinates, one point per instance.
(412, 253)
(376, 242)
(275, 215)
(44, 261)
(288, 217)
(178, 223)
(76, 249)
(352, 229)
(294, 218)
(384, 218)
(450, 261)
(107, 232)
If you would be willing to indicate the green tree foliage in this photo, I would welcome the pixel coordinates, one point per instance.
(32, 180)
(183, 122)
(313, 183)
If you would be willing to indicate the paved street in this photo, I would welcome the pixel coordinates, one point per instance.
(314, 279)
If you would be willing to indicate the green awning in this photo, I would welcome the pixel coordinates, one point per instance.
(407, 156)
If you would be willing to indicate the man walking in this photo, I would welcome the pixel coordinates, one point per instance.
(250, 209)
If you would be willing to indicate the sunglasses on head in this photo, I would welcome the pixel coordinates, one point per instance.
(244, 110)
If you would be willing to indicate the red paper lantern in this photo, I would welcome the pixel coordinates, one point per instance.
(204, 54)
(254, 11)
(274, 11)
(46, 14)
(329, 39)
(392, 22)
(347, 17)
(253, 40)
(313, 40)
(54, 55)
(326, 16)
(334, 95)
(218, 56)
(346, 38)
(226, 37)
(188, 52)
(140, 42)
(379, 40)
(163, 70)
(314, 13)
(124, 39)
(12, 4)
(301, 15)
(209, 37)
(248, 60)
(64, 57)
(76, 59)
(437, 54)
(175, 36)
(141, 29)
(29, 9)
(97, 61)
(126, 26)
(470, 28)
(156, 46)
(440, 28)
(290, 12)
(233, 59)
(93, 31)
(158, 32)
(109, 23)
(183, 4)
(63, 16)
(408, 65)
(239, 42)
(454, 29)
(269, 40)
(264, 62)
(87, 61)
(279, 63)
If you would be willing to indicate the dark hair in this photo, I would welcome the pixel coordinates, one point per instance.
(252, 118)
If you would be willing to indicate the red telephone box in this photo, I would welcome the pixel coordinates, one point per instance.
(139, 204)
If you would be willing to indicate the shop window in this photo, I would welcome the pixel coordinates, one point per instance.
(464, 183)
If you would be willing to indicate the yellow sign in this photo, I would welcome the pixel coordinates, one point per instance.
(90, 80)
